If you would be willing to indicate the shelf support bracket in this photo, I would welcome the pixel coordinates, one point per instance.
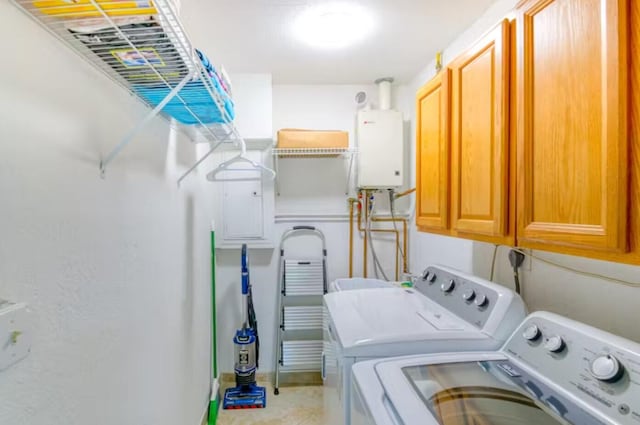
(151, 115)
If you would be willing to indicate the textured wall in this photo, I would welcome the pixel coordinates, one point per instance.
(116, 271)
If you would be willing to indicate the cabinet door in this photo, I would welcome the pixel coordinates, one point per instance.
(432, 154)
(480, 136)
(572, 124)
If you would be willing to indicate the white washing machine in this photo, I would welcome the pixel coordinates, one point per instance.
(445, 311)
(551, 371)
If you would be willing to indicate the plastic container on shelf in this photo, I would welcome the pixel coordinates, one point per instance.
(85, 9)
(197, 98)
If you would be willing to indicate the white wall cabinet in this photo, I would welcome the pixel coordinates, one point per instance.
(245, 209)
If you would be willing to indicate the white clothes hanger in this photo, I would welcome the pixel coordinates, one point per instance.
(213, 176)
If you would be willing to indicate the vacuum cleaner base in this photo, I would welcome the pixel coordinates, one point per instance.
(245, 397)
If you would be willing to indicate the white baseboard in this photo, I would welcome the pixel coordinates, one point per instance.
(215, 389)
(205, 416)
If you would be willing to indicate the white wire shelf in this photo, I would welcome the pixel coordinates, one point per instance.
(348, 154)
(142, 47)
(314, 152)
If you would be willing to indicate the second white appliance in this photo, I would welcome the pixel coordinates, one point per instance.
(445, 311)
(552, 371)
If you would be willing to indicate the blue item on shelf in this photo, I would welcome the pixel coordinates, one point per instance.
(195, 95)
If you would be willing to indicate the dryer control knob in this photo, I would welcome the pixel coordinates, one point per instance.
(531, 333)
(482, 300)
(607, 368)
(554, 344)
(448, 286)
(469, 295)
(432, 278)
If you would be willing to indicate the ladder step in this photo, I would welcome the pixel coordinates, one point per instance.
(304, 277)
(301, 355)
(297, 318)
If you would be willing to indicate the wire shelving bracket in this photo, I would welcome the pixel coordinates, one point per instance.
(103, 31)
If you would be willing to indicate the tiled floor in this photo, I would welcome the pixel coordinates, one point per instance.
(293, 406)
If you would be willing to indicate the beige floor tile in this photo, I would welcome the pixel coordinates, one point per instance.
(293, 406)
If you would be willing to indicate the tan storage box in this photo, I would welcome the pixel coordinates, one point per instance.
(294, 138)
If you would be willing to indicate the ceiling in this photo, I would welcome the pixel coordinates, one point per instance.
(255, 36)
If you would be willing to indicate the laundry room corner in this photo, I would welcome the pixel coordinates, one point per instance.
(308, 212)
(312, 193)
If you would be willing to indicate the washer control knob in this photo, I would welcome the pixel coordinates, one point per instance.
(448, 286)
(428, 276)
(481, 300)
(607, 368)
(469, 295)
(531, 333)
(554, 344)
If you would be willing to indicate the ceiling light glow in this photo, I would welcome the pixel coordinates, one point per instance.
(333, 26)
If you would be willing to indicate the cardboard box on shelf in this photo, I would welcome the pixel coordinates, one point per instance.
(295, 138)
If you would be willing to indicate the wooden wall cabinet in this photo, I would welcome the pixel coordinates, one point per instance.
(463, 155)
(544, 145)
(480, 136)
(572, 141)
(432, 155)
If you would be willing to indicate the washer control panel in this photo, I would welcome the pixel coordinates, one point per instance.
(472, 298)
(600, 369)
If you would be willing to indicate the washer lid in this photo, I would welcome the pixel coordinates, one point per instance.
(457, 390)
(390, 316)
(356, 283)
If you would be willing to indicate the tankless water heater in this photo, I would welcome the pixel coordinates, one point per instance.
(380, 149)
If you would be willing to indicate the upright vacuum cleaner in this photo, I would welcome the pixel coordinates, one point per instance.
(246, 394)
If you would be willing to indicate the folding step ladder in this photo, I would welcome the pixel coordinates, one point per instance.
(303, 282)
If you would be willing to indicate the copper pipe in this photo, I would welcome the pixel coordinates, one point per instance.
(404, 238)
(364, 214)
(405, 193)
(397, 243)
(351, 202)
(364, 210)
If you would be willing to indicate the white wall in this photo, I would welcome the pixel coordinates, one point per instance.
(312, 192)
(116, 272)
(601, 303)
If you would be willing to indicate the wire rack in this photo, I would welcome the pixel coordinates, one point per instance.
(142, 46)
(313, 152)
(347, 153)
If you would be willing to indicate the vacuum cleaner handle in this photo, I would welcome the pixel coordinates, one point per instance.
(245, 270)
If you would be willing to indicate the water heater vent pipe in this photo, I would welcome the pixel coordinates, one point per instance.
(384, 92)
